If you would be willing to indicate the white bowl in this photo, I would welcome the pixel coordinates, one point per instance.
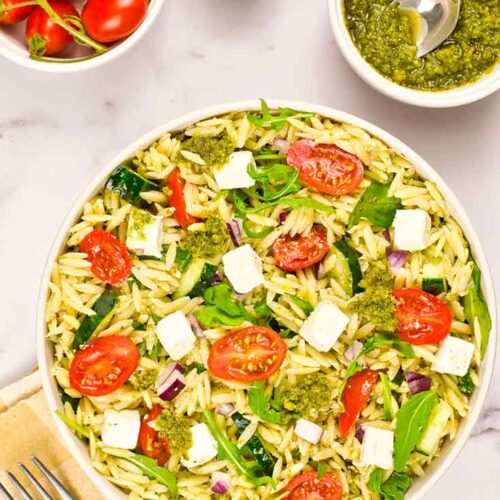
(44, 348)
(13, 46)
(483, 87)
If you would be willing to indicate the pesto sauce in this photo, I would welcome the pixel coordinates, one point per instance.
(385, 36)
(376, 303)
(177, 429)
(144, 379)
(214, 151)
(208, 242)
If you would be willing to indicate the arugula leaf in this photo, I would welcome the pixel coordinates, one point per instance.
(276, 121)
(410, 422)
(232, 453)
(475, 307)
(220, 296)
(182, 258)
(375, 206)
(200, 367)
(393, 488)
(261, 308)
(321, 470)
(274, 181)
(266, 154)
(466, 385)
(259, 402)
(388, 412)
(375, 480)
(152, 470)
(78, 429)
(155, 352)
(303, 304)
(212, 315)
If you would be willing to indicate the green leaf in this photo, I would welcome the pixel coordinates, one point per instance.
(304, 305)
(76, 428)
(466, 385)
(182, 258)
(66, 398)
(396, 486)
(274, 181)
(221, 296)
(151, 469)
(375, 206)
(262, 309)
(200, 367)
(410, 422)
(386, 386)
(212, 315)
(475, 307)
(259, 402)
(321, 470)
(277, 120)
(232, 453)
(375, 480)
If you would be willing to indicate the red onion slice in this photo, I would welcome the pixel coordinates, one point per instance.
(225, 409)
(221, 482)
(282, 146)
(360, 433)
(195, 325)
(417, 382)
(397, 260)
(234, 229)
(387, 235)
(282, 216)
(171, 381)
(353, 350)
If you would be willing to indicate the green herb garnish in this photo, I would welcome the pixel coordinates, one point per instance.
(386, 386)
(259, 402)
(277, 120)
(466, 385)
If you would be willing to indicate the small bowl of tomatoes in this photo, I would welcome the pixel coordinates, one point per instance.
(65, 36)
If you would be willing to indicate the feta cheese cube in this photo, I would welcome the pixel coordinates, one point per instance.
(412, 229)
(144, 233)
(308, 431)
(243, 269)
(203, 448)
(120, 429)
(454, 356)
(324, 326)
(377, 448)
(176, 335)
(234, 173)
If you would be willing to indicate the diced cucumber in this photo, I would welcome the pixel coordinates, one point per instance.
(197, 277)
(104, 309)
(346, 269)
(433, 280)
(129, 185)
(429, 441)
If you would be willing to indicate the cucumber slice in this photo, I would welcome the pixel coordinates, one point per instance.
(129, 185)
(197, 277)
(433, 280)
(429, 441)
(346, 270)
(104, 309)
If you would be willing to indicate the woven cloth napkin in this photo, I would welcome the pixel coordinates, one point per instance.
(27, 429)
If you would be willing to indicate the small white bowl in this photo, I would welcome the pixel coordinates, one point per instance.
(13, 46)
(483, 87)
(45, 349)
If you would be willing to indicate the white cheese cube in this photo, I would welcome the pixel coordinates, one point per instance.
(234, 173)
(377, 448)
(144, 233)
(120, 429)
(176, 335)
(243, 269)
(203, 448)
(412, 229)
(454, 356)
(324, 326)
(308, 431)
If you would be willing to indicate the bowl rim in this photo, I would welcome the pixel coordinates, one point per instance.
(483, 87)
(44, 349)
(113, 53)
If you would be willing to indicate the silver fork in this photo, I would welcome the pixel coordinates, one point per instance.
(56, 484)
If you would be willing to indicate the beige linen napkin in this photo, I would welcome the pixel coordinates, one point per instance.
(26, 429)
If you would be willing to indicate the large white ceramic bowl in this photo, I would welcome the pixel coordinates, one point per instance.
(44, 348)
(13, 46)
(483, 87)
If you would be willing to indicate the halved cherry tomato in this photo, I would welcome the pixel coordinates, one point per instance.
(308, 487)
(355, 395)
(300, 251)
(247, 354)
(109, 257)
(422, 317)
(150, 443)
(326, 167)
(108, 21)
(103, 365)
(51, 39)
(15, 15)
(176, 183)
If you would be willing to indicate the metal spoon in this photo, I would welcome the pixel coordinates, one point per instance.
(437, 19)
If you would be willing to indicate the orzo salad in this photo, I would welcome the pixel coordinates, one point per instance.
(266, 305)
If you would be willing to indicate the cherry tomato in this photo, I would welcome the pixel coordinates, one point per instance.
(176, 183)
(355, 395)
(108, 21)
(300, 251)
(103, 365)
(55, 39)
(109, 257)
(15, 15)
(326, 167)
(247, 354)
(422, 317)
(308, 487)
(150, 443)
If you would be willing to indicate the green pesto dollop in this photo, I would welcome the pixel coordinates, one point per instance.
(207, 242)
(213, 150)
(143, 379)
(310, 397)
(177, 429)
(376, 303)
(385, 36)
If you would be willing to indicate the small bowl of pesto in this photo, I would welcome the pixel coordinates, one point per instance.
(377, 38)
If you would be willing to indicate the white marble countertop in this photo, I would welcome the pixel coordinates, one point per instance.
(57, 131)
